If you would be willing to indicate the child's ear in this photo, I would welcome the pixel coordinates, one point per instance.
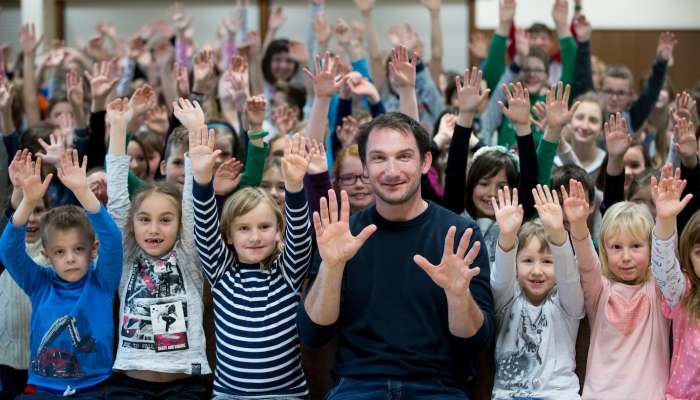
(162, 167)
(46, 256)
(93, 251)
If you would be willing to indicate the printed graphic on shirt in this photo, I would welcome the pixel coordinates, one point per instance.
(517, 370)
(155, 306)
(67, 349)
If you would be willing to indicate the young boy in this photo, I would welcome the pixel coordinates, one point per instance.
(618, 89)
(539, 301)
(173, 165)
(71, 328)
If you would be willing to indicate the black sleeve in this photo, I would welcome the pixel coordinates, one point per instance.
(613, 191)
(641, 108)
(692, 176)
(583, 71)
(96, 147)
(311, 333)
(343, 110)
(456, 169)
(529, 171)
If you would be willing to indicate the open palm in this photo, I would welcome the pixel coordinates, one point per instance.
(509, 214)
(202, 153)
(575, 202)
(71, 173)
(453, 274)
(667, 195)
(336, 243)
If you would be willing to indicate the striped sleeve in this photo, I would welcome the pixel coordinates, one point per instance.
(296, 256)
(213, 252)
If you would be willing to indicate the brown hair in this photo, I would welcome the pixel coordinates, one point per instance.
(621, 72)
(533, 229)
(486, 166)
(151, 143)
(350, 151)
(64, 218)
(241, 203)
(147, 189)
(179, 137)
(689, 238)
(394, 121)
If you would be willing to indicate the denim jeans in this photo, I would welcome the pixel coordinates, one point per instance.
(384, 389)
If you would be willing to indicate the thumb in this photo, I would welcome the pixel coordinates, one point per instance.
(423, 263)
(366, 233)
(45, 184)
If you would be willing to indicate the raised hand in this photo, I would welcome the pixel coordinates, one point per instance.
(56, 55)
(343, 32)
(685, 105)
(560, 14)
(28, 178)
(54, 149)
(277, 18)
(181, 20)
(557, 104)
(190, 114)
(522, 45)
(347, 131)
(403, 69)
(119, 112)
(251, 45)
(432, 5)
(582, 28)
(470, 95)
(157, 120)
(667, 193)
(540, 119)
(71, 173)
(227, 177)
(664, 50)
(204, 76)
(298, 52)
(336, 243)
(255, 113)
(321, 29)
(102, 81)
(518, 109)
(284, 119)
(19, 167)
(202, 154)
(75, 90)
(365, 6)
(551, 214)
(237, 79)
(182, 80)
(575, 204)
(143, 99)
(617, 137)
(361, 86)
(685, 142)
(295, 162)
(325, 81)
(28, 39)
(443, 137)
(318, 162)
(509, 215)
(506, 14)
(454, 273)
(5, 95)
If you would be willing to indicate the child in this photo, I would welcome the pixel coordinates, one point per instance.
(680, 290)
(628, 357)
(161, 340)
(255, 282)
(539, 300)
(172, 167)
(71, 331)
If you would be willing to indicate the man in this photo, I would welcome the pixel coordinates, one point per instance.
(403, 331)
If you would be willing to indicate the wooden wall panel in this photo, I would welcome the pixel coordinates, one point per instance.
(637, 50)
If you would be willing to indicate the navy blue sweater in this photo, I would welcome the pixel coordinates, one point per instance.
(393, 319)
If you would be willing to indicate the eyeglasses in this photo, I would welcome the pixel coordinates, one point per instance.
(351, 179)
(613, 93)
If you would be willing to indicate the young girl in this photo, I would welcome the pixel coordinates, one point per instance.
(161, 341)
(586, 126)
(255, 280)
(350, 176)
(680, 290)
(628, 357)
(539, 300)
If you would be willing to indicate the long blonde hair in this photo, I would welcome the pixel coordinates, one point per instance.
(689, 238)
(241, 203)
(628, 218)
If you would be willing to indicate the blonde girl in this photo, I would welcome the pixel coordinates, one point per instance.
(681, 290)
(629, 350)
(255, 280)
(161, 344)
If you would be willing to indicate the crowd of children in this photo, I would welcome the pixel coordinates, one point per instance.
(139, 174)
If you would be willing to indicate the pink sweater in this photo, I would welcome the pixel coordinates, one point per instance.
(628, 357)
(684, 382)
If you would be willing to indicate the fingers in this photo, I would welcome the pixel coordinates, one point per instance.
(473, 254)
(424, 264)
(464, 243)
(365, 233)
(332, 206)
(449, 241)
(344, 206)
